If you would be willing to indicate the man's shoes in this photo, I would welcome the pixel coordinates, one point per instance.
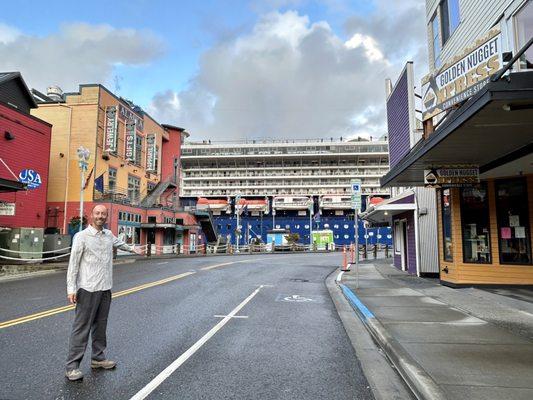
(105, 364)
(74, 375)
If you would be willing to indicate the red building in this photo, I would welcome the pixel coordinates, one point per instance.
(24, 156)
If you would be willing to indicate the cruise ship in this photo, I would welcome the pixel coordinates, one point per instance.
(296, 185)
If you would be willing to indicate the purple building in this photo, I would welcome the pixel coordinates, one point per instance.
(411, 212)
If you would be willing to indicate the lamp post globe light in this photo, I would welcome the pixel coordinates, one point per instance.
(83, 163)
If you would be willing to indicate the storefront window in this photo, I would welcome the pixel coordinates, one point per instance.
(475, 225)
(524, 31)
(513, 221)
(447, 225)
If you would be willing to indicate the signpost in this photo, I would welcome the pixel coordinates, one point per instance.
(355, 185)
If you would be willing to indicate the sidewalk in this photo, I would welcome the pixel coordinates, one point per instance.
(446, 343)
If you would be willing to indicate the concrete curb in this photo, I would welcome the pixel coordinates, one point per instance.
(418, 380)
(382, 376)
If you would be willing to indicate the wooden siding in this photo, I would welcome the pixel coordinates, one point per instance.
(477, 17)
(30, 149)
(14, 93)
(398, 121)
(495, 273)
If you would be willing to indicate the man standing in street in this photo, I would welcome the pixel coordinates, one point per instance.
(89, 282)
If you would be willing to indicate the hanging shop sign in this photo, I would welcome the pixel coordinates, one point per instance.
(127, 115)
(31, 178)
(151, 153)
(463, 76)
(111, 129)
(451, 177)
(7, 208)
(130, 141)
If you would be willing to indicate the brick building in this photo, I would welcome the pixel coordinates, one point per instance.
(133, 167)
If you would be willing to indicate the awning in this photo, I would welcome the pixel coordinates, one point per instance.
(7, 185)
(382, 213)
(151, 225)
(492, 130)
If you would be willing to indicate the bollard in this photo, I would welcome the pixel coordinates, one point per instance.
(149, 250)
(345, 259)
(364, 252)
(375, 251)
(386, 251)
(352, 252)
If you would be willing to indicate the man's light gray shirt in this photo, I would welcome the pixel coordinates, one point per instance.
(91, 260)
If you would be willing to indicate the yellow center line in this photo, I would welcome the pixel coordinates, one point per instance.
(223, 264)
(58, 310)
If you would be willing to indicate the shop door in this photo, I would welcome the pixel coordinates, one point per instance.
(192, 242)
(150, 236)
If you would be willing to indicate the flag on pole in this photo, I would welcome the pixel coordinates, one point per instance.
(88, 179)
(316, 217)
(99, 183)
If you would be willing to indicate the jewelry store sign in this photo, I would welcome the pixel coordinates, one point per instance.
(111, 129)
(447, 177)
(462, 77)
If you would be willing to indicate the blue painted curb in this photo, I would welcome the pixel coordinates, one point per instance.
(355, 302)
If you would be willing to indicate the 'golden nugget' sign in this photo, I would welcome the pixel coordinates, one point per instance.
(463, 76)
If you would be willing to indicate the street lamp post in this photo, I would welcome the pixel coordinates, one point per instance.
(83, 162)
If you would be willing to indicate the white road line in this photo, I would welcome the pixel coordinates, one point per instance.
(145, 391)
(339, 277)
(161, 263)
(235, 316)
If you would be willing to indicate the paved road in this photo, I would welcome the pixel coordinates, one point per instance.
(291, 345)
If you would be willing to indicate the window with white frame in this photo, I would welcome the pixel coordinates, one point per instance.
(397, 237)
(436, 41)
(449, 17)
(524, 32)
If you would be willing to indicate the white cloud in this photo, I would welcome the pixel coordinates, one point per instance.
(372, 50)
(289, 78)
(8, 33)
(78, 53)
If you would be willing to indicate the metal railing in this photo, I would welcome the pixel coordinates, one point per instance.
(117, 194)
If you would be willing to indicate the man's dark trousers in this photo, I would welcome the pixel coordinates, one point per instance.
(92, 309)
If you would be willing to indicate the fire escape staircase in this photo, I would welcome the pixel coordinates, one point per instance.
(151, 198)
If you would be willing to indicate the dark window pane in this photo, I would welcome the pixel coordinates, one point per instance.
(513, 221)
(475, 225)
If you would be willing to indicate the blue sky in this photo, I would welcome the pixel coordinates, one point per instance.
(187, 28)
(162, 48)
